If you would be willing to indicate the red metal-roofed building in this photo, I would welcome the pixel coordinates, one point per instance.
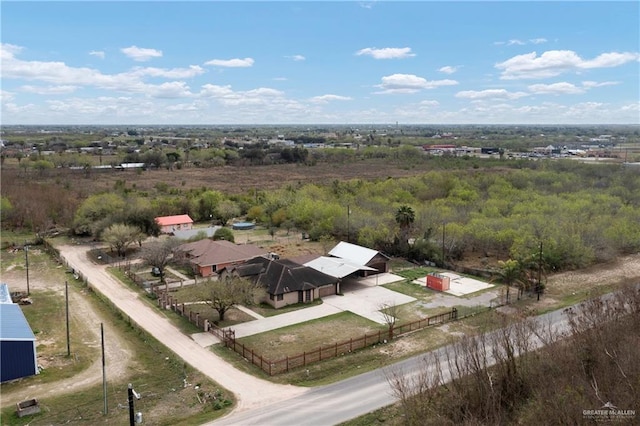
(168, 224)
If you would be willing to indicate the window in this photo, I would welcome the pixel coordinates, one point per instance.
(280, 297)
(271, 297)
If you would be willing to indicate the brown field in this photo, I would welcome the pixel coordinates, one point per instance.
(228, 179)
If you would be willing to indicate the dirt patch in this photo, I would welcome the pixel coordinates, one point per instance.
(117, 354)
(229, 179)
(288, 338)
(622, 270)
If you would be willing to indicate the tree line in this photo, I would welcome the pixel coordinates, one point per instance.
(580, 213)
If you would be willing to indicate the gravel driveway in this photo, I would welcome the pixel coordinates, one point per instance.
(250, 391)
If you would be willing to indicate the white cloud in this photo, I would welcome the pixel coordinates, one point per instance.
(555, 62)
(429, 104)
(193, 106)
(6, 96)
(8, 51)
(231, 63)
(141, 54)
(227, 96)
(173, 89)
(631, 107)
(49, 90)
(517, 42)
(387, 52)
(448, 69)
(327, 98)
(296, 58)
(409, 83)
(367, 4)
(191, 71)
(610, 60)
(98, 53)
(591, 84)
(490, 94)
(63, 77)
(562, 88)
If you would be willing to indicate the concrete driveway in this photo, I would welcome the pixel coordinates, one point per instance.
(365, 297)
(362, 297)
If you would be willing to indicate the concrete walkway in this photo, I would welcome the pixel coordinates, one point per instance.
(283, 320)
(249, 312)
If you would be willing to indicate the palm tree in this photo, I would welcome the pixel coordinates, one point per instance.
(405, 216)
(510, 273)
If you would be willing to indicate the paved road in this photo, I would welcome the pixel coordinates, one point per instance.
(260, 402)
(250, 391)
(350, 398)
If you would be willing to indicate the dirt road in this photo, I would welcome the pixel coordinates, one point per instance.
(250, 392)
(118, 356)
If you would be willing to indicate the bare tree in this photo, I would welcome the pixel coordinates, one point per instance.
(158, 254)
(390, 313)
(224, 294)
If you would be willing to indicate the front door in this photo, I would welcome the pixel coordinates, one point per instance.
(300, 299)
(307, 295)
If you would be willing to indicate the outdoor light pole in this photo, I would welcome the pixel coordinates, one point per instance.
(26, 258)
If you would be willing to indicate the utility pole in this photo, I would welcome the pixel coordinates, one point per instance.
(443, 253)
(26, 259)
(540, 272)
(132, 419)
(104, 372)
(348, 224)
(66, 300)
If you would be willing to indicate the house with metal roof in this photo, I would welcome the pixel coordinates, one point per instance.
(169, 224)
(350, 259)
(18, 357)
(361, 256)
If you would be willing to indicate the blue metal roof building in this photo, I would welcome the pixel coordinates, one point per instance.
(18, 356)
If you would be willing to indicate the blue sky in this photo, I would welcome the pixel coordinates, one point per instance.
(380, 62)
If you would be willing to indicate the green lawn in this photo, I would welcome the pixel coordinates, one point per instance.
(308, 336)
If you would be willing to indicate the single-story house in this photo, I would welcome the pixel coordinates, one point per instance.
(208, 256)
(18, 357)
(169, 224)
(285, 281)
